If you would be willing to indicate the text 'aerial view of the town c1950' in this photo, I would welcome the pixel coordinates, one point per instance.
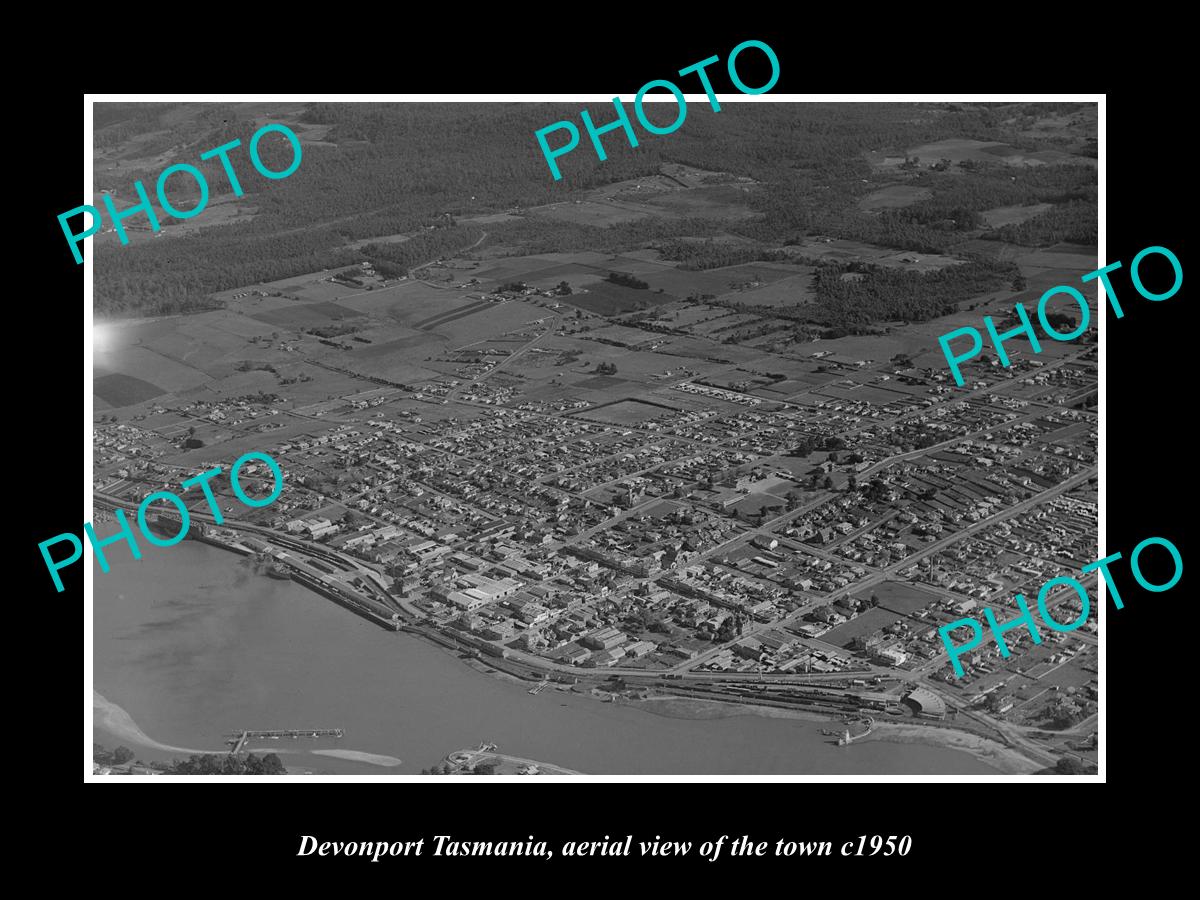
(657, 469)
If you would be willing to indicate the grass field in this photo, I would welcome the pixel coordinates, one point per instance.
(788, 292)
(307, 315)
(725, 201)
(608, 299)
(409, 302)
(756, 503)
(865, 623)
(900, 596)
(124, 390)
(683, 283)
(893, 197)
(431, 322)
(1012, 215)
(591, 212)
(627, 412)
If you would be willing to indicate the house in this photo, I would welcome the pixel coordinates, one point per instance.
(890, 656)
(827, 615)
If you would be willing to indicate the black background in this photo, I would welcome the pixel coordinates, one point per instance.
(965, 835)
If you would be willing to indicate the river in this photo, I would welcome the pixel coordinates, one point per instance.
(192, 644)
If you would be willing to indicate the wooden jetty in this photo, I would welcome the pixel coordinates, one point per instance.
(237, 739)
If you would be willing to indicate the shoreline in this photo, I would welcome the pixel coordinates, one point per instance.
(1005, 760)
(117, 722)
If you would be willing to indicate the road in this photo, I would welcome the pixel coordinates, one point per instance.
(525, 348)
(883, 574)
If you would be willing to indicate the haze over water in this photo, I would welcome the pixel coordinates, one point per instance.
(192, 644)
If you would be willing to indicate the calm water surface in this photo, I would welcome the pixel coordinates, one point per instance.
(192, 644)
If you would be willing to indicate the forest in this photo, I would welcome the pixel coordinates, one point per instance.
(1075, 222)
(399, 168)
(880, 293)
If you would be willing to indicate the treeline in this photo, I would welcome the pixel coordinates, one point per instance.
(958, 200)
(992, 185)
(626, 280)
(421, 248)
(1074, 222)
(710, 254)
(179, 274)
(231, 764)
(883, 294)
(196, 764)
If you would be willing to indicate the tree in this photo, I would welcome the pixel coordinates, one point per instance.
(272, 765)
(122, 755)
(827, 483)
(627, 280)
(563, 289)
(1068, 765)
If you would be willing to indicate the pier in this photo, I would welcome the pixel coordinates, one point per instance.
(238, 739)
(848, 738)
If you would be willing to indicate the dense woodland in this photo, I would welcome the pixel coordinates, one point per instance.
(1075, 222)
(411, 168)
(878, 293)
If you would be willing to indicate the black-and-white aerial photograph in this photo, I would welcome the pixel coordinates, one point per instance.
(728, 453)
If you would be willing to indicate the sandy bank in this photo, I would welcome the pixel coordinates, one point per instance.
(996, 755)
(114, 719)
(117, 721)
(374, 759)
